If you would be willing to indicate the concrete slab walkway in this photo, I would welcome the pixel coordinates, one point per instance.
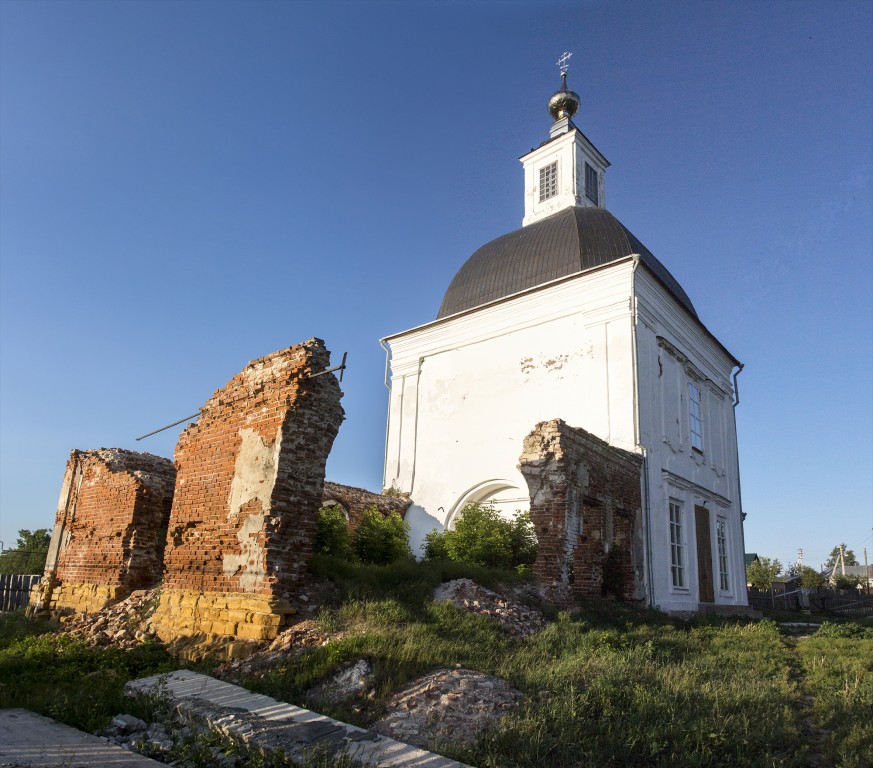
(28, 740)
(271, 725)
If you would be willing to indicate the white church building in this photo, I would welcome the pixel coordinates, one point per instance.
(572, 317)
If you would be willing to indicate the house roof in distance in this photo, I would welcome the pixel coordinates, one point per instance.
(573, 240)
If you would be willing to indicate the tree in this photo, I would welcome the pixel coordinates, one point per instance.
(29, 554)
(810, 578)
(760, 573)
(849, 556)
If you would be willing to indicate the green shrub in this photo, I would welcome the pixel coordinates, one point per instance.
(332, 535)
(847, 582)
(434, 546)
(523, 541)
(381, 540)
(482, 537)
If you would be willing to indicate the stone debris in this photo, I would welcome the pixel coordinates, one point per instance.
(291, 642)
(200, 706)
(350, 681)
(454, 705)
(124, 625)
(132, 733)
(469, 596)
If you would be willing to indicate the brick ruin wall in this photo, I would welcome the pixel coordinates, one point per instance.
(355, 501)
(248, 491)
(586, 507)
(109, 531)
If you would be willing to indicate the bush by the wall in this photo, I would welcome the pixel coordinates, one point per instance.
(482, 537)
(332, 535)
(381, 540)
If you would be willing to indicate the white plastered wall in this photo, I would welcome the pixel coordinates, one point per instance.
(570, 152)
(671, 350)
(465, 391)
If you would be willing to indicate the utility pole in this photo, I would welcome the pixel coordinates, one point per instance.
(866, 571)
(843, 558)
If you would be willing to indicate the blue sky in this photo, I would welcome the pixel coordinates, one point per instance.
(187, 186)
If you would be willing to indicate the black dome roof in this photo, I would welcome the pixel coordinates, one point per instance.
(570, 241)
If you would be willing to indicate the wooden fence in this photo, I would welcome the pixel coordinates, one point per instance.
(15, 589)
(846, 602)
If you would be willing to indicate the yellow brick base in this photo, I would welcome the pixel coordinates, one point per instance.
(194, 624)
(84, 598)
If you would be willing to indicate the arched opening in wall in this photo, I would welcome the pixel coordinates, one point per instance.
(326, 503)
(506, 497)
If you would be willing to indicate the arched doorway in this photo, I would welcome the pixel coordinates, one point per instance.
(504, 495)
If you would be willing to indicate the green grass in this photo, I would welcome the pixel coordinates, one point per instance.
(606, 685)
(838, 665)
(68, 681)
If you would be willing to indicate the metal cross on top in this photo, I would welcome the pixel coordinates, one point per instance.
(564, 62)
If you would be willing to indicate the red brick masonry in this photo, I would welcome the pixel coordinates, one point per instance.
(586, 511)
(110, 527)
(250, 477)
(354, 501)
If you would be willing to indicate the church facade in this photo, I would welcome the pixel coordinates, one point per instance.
(571, 317)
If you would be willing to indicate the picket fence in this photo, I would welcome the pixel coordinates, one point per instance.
(15, 589)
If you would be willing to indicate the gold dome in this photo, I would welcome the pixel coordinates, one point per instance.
(564, 103)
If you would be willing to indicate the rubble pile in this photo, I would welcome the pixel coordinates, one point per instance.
(454, 705)
(351, 681)
(292, 641)
(125, 624)
(469, 596)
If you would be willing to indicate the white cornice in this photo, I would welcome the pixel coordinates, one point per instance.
(668, 319)
(677, 481)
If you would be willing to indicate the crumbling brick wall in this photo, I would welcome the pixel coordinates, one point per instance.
(248, 491)
(110, 528)
(586, 511)
(355, 501)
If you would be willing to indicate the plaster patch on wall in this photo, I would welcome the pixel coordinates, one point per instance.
(254, 477)
(255, 470)
(252, 559)
(547, 363)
